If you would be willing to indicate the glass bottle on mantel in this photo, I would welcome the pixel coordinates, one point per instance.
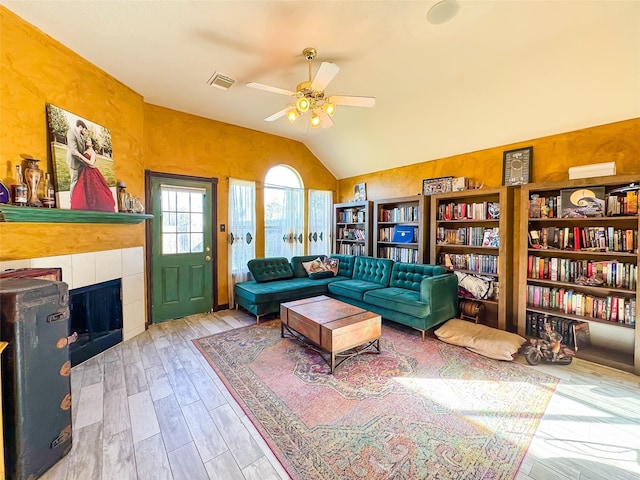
(19, 188)
(49, 198)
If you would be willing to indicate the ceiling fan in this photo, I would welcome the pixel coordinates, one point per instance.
(310, 95)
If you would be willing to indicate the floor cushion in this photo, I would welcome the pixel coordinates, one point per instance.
(487, 341)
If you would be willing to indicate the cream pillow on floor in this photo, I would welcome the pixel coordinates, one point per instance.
(487, 341)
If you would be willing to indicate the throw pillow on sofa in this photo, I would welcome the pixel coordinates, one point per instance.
(321, 267)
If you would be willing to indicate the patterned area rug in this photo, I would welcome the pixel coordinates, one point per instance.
(419, 410)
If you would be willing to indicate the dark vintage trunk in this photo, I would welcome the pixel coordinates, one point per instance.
(36, 370)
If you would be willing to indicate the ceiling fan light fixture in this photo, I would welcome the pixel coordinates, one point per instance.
(329, 108)
(315, 120)
(293, 115)
(303, 104)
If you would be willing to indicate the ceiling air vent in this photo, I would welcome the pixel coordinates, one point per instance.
(221, 81)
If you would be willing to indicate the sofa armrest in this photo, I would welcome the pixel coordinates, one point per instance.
(441, 293)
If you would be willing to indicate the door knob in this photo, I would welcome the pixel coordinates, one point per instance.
(208, 258)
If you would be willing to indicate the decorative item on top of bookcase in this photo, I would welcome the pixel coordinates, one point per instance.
(352, 228)
(400, 229)
(516, 166)
(431, 186)
(360, 192)
(579, 268)
(472, 235)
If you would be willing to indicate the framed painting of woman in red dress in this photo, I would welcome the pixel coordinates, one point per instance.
(82, 159)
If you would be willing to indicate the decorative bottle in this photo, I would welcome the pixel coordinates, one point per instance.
(19, 189)
(122, 197)
(32, 175)
(49, 194)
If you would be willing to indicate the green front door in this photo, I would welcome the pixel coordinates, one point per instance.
(182, 253)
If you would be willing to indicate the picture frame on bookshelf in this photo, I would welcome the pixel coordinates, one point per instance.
(404, 234)
(360, 192)
(516, 166)
(582, 202)
(432, 186)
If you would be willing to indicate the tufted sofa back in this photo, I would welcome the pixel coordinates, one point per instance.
(370, 269)
(269, 269)
(409, 275)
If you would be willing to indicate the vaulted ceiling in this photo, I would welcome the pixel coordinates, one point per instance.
(500, 71)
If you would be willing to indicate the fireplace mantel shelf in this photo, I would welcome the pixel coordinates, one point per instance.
(10, 213)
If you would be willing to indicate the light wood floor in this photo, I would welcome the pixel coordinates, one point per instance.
(152, 408)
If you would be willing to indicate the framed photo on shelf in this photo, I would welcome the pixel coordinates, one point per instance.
(582, 202)
(431, 186)
(360, 192)
(516, 166)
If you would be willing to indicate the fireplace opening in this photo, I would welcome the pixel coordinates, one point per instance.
(96, 316)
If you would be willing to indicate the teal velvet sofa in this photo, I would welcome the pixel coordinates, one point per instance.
(419, 296)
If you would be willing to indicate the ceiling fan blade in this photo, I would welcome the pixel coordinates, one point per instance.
(325, 74)
(326, 119)
(268, 88)
(279, 114)
(352, 101)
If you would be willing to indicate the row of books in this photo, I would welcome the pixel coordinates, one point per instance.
(585, 202)
(607, 273)
(399, 214)
(470, 261)
(613, 308)
(350, 215)
(602, 238)
(624, 204)
(351, 233)
(351, 249)
(575, 334)
(398, 254)
(471, 211)
(472, 236)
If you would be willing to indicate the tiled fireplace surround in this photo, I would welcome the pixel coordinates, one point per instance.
(82, 269)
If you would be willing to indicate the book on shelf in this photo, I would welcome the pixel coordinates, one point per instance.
(491, 237)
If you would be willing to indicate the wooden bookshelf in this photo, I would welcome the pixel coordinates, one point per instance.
(473, 230)
(583, 280)
(408, 215)
(352, 228)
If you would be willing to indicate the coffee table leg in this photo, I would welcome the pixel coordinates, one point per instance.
(333, 362)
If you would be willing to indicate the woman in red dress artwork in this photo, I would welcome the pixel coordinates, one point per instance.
(92, 191)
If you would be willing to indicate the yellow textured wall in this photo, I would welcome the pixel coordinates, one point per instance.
(35, 70)
(221, 150)
(552, 157)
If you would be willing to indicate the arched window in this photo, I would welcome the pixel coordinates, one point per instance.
(283, 212)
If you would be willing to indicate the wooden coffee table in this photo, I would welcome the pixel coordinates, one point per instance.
(335, 327)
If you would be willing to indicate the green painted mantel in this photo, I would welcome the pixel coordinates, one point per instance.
(11, 213)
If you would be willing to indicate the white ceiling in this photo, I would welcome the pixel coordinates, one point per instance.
(500, 72)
